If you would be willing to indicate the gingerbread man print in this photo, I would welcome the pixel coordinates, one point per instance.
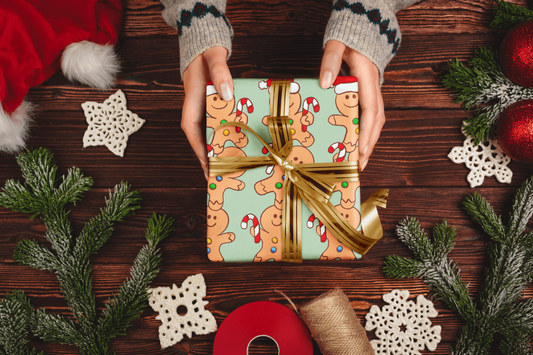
(300, 120)
(268, 231)
(220, 111)
(217, 217)
(347, 102)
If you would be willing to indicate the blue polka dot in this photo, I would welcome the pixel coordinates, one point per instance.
(283, 177)
(219, 178)
(339, 249)
(273, 250)
(208, 250)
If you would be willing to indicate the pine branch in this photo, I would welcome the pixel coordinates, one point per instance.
(483, 213)
(508, 15)
(484, 86)
(133, 294)
(510, 255)
(15, 318)
(522, 209)
(29, 253)
(56, 328)
(121, 203)
(439, 273)
(70, 262)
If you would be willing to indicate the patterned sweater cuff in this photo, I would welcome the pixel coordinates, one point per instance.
(368, 26)
(200, 26)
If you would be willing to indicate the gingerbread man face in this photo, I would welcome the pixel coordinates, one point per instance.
(220, 111)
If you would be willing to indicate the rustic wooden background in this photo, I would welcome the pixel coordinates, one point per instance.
(272, 38)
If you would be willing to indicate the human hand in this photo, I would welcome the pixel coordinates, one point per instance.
(208, 66)
(371, 101)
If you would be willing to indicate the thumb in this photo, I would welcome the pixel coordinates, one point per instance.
(331, 63)
(215, 58)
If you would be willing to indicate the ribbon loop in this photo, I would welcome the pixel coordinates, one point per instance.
(311, 183)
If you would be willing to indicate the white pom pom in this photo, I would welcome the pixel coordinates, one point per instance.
(91, 64)
(14, 128)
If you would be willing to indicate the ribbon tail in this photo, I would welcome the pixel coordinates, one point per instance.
(370, 222)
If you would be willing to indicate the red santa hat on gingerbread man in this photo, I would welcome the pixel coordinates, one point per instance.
(265, 84)
(39, 36)
(345, 84)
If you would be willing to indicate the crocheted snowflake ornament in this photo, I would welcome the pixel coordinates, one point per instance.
(485, 159)
(110, 123)
(188, 299)
(402, 326)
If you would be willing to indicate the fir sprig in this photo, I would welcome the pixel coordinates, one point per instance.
(68, 257)
(508, 15)
(510, 252)
(483, 86)
(16, 314)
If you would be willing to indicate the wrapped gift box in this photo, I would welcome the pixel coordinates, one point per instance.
(244, 208)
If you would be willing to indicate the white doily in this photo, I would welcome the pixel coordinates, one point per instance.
(181, 310)
(483, 160)
(110, 123)
(402, 326)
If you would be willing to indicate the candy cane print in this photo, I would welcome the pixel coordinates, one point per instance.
(210, 152)
(310, 224)
(244, 102)
(305, 108)
(342, 151)
(310, 101)
(255, 222)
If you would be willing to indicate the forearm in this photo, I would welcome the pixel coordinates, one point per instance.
(200, 26)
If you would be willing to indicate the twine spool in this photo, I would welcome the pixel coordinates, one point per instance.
(335, 326)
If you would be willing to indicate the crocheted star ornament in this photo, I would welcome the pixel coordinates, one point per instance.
(402, 326)
(110, 123)
(484, 159)
(194, 317)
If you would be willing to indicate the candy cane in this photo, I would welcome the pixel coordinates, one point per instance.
(310, 224)
(210, 152)
(342, 151)
(244, 102)
(310, 101)
(255, 222)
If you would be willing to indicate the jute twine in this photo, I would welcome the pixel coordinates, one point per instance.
(335, 326)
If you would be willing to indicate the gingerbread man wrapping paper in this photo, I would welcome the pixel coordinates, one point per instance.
(325, 126)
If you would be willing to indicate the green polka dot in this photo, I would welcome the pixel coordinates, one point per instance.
(291, 121)
(355, 121)
(344, 184)
(223, 121)
(279, 185)
(212, 186)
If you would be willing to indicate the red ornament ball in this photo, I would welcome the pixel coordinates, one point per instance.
(514, 130)
(516, 54)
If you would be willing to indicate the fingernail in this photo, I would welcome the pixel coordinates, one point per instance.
(327, 77)
(364, 151)
(364, 165)
(225, 91)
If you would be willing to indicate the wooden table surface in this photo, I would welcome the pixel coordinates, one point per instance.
(272, 38)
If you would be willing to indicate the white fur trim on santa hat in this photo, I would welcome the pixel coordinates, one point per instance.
(91, 64)
(210, 90)
(14, 128)
(346, 87)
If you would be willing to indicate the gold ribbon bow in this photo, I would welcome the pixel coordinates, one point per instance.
(311, 183)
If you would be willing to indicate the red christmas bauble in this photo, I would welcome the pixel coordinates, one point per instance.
(516, 54)
(514, 130)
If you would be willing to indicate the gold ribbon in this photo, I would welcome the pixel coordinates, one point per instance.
(311, 183)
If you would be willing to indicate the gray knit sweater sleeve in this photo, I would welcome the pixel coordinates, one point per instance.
(368, 26)
(200, 24)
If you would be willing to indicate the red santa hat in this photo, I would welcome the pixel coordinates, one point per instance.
(37, 37)
(345, 84)
(265, 84)
(210, 89)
